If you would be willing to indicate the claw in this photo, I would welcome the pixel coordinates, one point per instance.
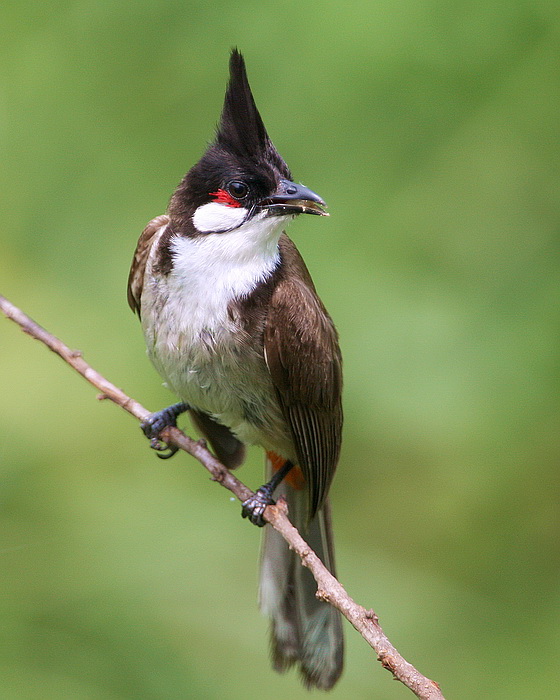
(254, 507)
(172, 450)
(154, 424)
(162, 447)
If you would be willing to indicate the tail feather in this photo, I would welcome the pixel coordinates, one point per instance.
(304, 630)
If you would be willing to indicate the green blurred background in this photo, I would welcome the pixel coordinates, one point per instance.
(431, 129)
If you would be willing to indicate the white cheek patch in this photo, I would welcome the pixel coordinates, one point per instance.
(215, 218)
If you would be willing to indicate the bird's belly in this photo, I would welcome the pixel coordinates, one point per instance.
(229, 380)
(208, 359)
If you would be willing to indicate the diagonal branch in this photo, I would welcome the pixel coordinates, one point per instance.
(329, 588)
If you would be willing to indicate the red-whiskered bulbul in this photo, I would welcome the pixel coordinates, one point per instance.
(234, 325)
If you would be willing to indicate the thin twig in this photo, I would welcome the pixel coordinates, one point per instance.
(329, 588)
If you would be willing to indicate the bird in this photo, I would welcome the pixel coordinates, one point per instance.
(234, 325)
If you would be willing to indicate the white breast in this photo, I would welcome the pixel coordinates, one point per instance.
(194, 343)
(210, 271)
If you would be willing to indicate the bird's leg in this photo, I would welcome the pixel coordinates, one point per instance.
(156, 422)
(253, 507)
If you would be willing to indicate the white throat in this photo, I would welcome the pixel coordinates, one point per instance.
(211, 270)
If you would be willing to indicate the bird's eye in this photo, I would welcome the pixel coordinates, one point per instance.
(237, 189)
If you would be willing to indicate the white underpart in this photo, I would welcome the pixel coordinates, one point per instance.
(210, 271)
(216, 217)
(193, 341)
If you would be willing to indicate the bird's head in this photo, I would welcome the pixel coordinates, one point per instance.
(241, 177)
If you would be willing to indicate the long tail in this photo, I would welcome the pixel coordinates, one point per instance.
(304, 630)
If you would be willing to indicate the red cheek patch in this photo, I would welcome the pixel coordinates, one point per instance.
(223, 197)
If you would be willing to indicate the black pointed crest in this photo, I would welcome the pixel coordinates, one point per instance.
(241, 149)
(241, 128)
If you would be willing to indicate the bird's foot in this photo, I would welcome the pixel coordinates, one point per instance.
(254, 507)
(156, 422)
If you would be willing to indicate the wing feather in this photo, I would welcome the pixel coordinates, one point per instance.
(140, 259)
(303, 357)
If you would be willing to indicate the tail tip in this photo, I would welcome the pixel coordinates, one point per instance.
(316, 670)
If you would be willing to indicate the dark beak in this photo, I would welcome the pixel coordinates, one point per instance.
(291, 198)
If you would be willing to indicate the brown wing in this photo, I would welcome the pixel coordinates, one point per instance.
(303, 357)
(138, 267)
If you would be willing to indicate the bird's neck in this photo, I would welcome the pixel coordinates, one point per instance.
(229, 264)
